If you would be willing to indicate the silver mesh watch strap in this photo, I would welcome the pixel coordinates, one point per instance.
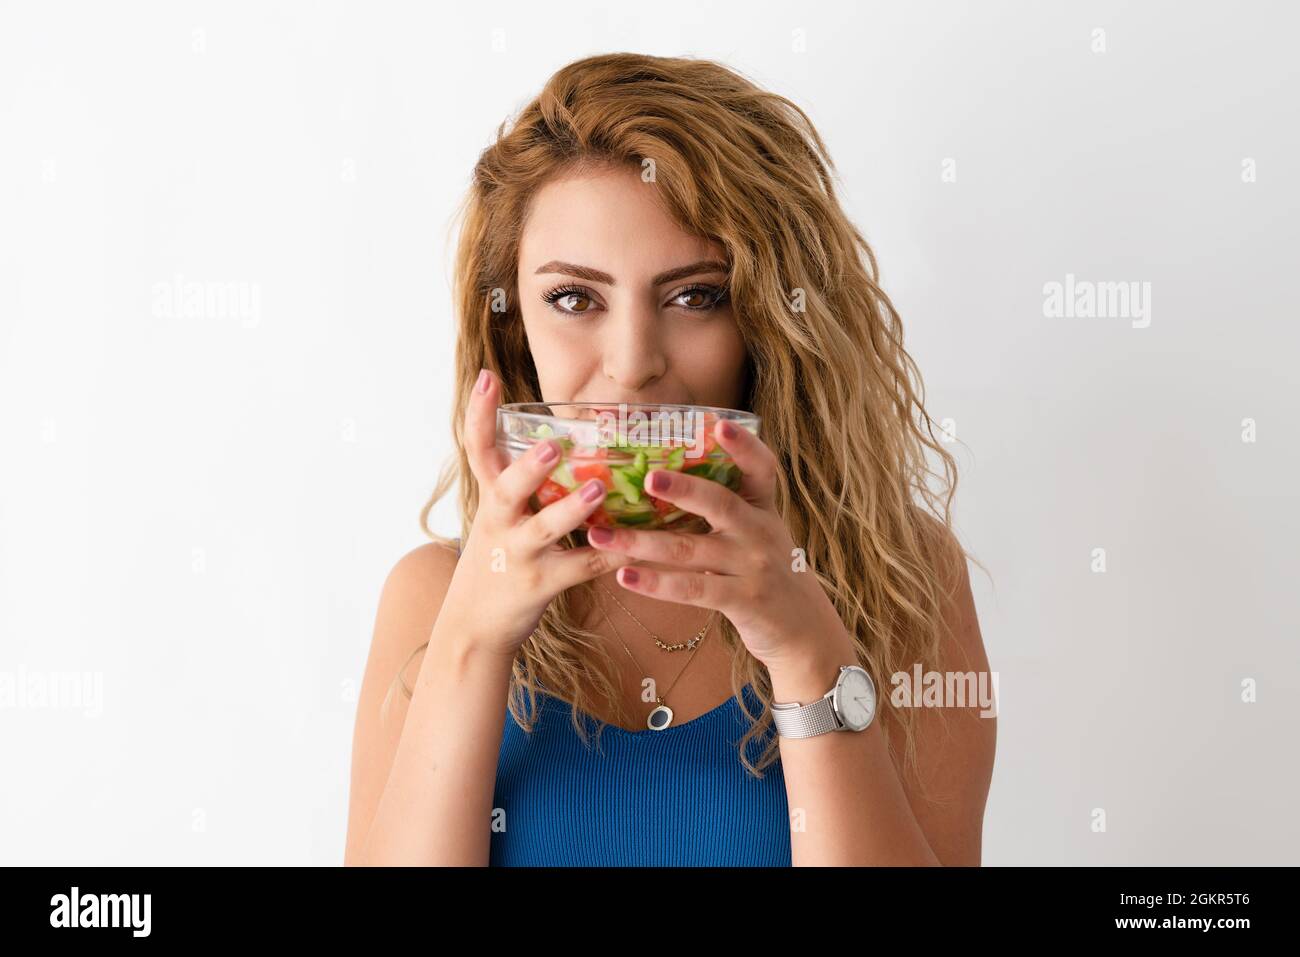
(795, 720)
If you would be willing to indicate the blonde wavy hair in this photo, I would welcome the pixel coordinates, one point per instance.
(841, 401)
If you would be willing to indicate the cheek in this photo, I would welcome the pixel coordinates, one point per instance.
(561, 354)
(558, 338)
(712, 358)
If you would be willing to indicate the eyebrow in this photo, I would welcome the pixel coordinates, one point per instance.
(595, 275)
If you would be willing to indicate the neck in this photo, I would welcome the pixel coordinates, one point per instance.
(671, 621)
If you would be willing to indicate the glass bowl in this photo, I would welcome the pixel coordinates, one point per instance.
(618, 443)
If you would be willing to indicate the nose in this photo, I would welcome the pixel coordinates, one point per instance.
(632, 346)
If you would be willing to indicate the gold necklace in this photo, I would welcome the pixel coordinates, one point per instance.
(679, 646)
(662, 715)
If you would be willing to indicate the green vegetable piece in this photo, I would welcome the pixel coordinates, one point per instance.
(676, 457)
(636, 518)
(625, 485)
(563, 476)
(704, 468)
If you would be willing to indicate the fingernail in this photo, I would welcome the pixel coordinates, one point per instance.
(728, 430)
(658, 481)
(548, 452)
(600, 535)
(630, 576)
(483, 380)
(593, 490)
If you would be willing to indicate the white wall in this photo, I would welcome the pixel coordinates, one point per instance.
(199, 512)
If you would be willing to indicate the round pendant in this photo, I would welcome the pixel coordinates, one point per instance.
(660, 718)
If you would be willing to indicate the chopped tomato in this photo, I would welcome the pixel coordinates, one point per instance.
(700, 454)
(592, 470)
(661, 506)
(710, 443)
(550, 492)
(600, 517)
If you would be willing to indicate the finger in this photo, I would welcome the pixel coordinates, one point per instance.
(559, 518)
(525, 475)
(757, 463)
(719, 505)
(582, 564)
(667, 547)
(688, 588)
(486, 461)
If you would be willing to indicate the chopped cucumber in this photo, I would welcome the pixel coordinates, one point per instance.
(543, 431)
(703, 468)
(676, 457)
(625, 484)
(636, 518)
(563, 476)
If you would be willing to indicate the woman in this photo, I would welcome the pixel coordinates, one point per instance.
(661, 230)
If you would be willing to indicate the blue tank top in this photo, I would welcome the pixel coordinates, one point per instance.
(673, 798)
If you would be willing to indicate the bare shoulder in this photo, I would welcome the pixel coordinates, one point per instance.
(941, 545)
(409, 604)
(948, 561)
(418, 581)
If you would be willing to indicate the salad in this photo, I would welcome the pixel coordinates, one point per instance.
(622, 469)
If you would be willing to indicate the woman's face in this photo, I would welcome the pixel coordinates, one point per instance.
(620, 305)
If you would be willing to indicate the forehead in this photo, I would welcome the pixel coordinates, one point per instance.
(609, 220)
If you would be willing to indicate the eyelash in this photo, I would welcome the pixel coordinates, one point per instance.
(718, 297)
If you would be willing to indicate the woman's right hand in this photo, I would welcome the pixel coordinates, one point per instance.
(512, 565)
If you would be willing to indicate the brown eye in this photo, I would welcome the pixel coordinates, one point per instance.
(704, 298)
(554, 296)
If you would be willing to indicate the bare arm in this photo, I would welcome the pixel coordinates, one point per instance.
(875, 810)
(423, 777)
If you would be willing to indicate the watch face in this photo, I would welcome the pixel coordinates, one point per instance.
(855, 699)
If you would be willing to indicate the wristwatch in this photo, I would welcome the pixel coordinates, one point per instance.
(849, 706)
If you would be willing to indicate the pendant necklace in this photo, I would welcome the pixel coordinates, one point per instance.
(662, 715)
(679, 646)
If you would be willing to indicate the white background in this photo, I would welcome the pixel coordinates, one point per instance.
(200, 511)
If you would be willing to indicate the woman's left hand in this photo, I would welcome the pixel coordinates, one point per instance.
(744, 568)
